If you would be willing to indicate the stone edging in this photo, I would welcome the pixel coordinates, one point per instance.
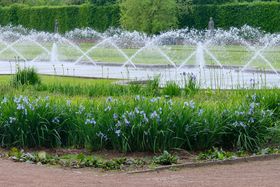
(211, 163)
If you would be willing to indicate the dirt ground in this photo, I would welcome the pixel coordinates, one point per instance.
(261, 173)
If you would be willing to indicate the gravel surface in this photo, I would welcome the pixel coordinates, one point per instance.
(259, 173)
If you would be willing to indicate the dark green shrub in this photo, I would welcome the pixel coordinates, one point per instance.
(265, 15)
(69, 17)
(103, 14)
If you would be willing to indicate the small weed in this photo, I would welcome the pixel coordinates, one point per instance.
(268, 150)
(165, 159)
(220, 154)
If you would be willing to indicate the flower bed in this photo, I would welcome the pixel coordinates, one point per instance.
(139, 123)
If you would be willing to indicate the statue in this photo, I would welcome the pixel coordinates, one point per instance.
(56, 26)
(211, 26)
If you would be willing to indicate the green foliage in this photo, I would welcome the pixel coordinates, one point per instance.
(165, 159)
(153, 86)
(191, 85)
(55, 2)
(258, 14)
(220, 154)
(150, 16)
(102, 2)
(41, 2)
(269, 151)
(209, 2)
(74, 161)
(140, 123)
(172, 89)
(70, 17)
(15, 152)
(26, 76)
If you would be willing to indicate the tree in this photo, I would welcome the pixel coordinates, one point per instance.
(150, 16)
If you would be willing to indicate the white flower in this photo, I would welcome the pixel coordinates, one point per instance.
(90, 121)
(26, 100)
(154, 115)
(200, 112)
(20, 107)
(12, 120)
(190, 104)
(118, 132)
(68, 102)
(5, 100)
(115, 116)
(56, 120)
(126, 122)
(108, 108)
(137, 98)
(81, 109)
(136, 110)
(109, 99)
(102, 136)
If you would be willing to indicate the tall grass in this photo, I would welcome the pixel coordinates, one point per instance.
(25, 76)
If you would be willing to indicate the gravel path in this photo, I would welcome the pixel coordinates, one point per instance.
(261, 173)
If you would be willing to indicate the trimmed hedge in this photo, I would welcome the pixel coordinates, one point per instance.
(259, 14)
(69, 17)
(204, 2)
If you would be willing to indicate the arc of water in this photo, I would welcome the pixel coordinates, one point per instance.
(253, 58)
(122, 53)
(211, 54)
(270, 65)
(166, 56)
(213, 57)
(258, 53)
(113, 44)
(143, 48)
(8, 45)
(35, 59)
(79, 49)
(206, 50)
(40, 45)
(88, 51)
(187, 60)
(14, 50)
(136, 53)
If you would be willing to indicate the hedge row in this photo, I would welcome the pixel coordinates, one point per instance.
(259, 14)
(69, 17)
(204, 2)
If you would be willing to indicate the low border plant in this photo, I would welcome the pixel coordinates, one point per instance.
(26, 76)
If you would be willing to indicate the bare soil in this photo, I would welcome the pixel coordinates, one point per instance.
(260, 173)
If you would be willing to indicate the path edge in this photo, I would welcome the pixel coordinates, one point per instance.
(210, 163)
